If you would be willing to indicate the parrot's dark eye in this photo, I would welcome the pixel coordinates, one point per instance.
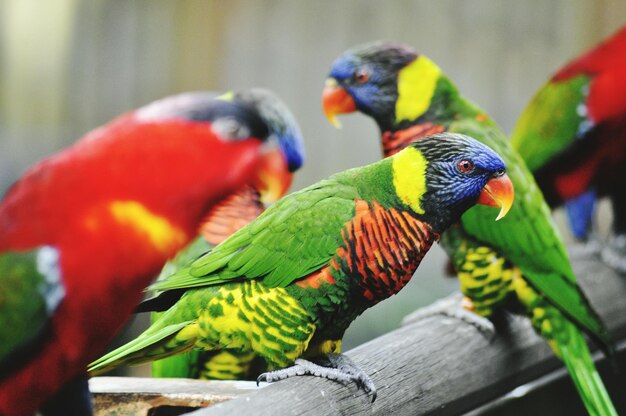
(228, 128)
(362, 75)
(465, 166)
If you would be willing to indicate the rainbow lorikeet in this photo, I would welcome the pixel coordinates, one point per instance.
(84, 231)
(288, 284)
(521, 261)
(231, 214)
(572, 136)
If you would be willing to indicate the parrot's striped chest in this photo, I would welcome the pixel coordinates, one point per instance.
(393, 142)
(382, 248)
(230, 214)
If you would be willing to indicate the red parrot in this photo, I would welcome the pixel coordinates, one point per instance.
(84, 231)
(572, 135)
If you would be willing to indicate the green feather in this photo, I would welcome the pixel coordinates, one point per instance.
(551, 121)
(31, 291)
(140, 349)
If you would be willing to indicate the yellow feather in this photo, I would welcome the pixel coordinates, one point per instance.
(227, 96)
(409, 177)
(190, 332)
(330, 346)
(416, 87)
(161, 233)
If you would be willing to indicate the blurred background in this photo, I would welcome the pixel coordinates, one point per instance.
(68, 66)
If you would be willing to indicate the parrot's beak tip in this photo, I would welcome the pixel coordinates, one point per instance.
(334, 120)
(499, 193)
(502, 213)
(336, 100)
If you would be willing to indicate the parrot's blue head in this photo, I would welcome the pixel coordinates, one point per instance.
(281, 123)
(459, 172)
(365, 79)
(284, 152)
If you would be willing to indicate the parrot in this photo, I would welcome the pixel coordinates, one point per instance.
(233, 213)
(85, 230)
(572, 135)
(287, 285)
(517, 264)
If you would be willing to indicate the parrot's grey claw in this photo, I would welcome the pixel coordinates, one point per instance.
(451, 307)
(336, 367)
(614, 254)
(344, 364)
(300, 368)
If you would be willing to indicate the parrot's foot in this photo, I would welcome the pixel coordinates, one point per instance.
(583, 249)
(454, 307)
(614, 254)
(336, 367)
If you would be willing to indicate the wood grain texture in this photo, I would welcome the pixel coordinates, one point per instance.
(440, 365)
(139, 396)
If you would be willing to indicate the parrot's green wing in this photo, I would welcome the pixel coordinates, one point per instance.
(272, 248)
(527, 235)
(196, 249)
(31, 291)
(552, 120)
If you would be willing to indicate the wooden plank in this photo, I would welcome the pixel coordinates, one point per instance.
(437, 365)
(139, 396)
(550, 394)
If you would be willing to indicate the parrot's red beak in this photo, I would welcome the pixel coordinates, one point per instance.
(274, 177)
(499, 193)
(336, 100)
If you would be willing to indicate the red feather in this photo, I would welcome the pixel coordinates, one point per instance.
(606, 64)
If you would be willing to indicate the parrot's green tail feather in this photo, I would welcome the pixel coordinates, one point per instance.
(577, 358)
(150, 345)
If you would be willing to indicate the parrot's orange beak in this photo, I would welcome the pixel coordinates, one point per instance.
(336, 100)
(274, 177)
(499, 193)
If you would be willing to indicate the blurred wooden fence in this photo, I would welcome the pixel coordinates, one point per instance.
(67, 66)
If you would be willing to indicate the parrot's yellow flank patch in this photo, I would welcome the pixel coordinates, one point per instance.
(249, 316)
(416, 87)
(161, 233)
(487, 278)
(409, 177)
(227, 365)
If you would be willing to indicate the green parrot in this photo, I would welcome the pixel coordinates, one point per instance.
(572, 135)
(520, 261)
(288, 284)
(224, 219)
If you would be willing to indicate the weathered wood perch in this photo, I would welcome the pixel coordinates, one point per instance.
(154, 396)
(444, 366)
